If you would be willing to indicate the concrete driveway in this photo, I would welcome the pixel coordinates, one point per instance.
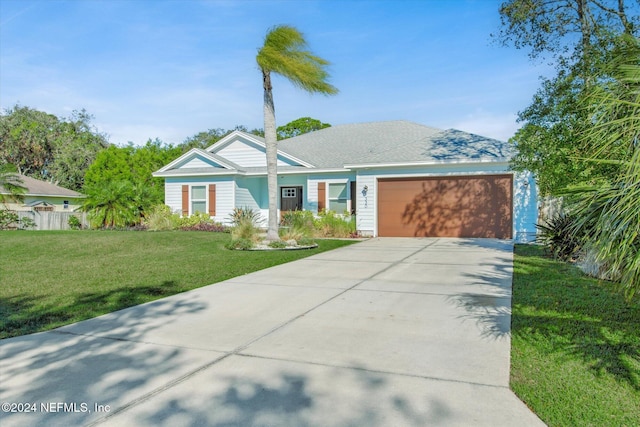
(386, 332)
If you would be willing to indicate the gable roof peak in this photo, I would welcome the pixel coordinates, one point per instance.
(232, 136)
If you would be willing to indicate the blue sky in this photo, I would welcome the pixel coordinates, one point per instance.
(170, 69)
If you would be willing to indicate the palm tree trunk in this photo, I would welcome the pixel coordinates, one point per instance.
(271, 142)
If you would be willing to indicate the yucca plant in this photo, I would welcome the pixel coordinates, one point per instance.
(245, 232)
(244, 214)
(560, 236)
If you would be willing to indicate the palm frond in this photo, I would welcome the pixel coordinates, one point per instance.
(11, 185)
(285, 53)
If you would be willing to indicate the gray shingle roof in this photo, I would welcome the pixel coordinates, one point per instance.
(35, 187)
(391, 142)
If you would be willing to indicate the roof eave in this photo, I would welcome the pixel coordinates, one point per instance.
(80, 196)
(68, 196)
(306, 171)
(505, 161)
(224, 172)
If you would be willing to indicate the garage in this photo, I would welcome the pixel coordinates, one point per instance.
(446, 206)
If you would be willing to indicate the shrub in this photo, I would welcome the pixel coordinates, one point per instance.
(205, 226)
(294, 233)
(245, 229)
(197, 218)
(160, 218)
(301, 221)
(8, 219)
(245, 214)
(277, 244)
(561, 236)
(74, 223)
(27, 223)
(329, 224)
(306, 241)
(244, 244)
(245, 232)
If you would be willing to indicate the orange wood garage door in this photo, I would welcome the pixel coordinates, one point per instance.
(460, 206)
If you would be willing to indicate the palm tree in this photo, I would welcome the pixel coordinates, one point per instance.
(611, 210)
(285, 52)
(11, 188)
(111, 204)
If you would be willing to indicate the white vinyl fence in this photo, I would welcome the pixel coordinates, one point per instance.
(54, 220)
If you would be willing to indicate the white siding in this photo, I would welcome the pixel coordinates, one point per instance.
(366, 204)
(224, 199)
(173, 194)
(311, 199)
(196, 162)
(225, 189)
(248, 155)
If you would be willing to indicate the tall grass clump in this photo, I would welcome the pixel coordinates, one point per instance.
(304, 225)
(245, 232)
(160, 218)
(297, 225)
(330, 224)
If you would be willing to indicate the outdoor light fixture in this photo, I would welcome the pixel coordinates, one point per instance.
(364, 194)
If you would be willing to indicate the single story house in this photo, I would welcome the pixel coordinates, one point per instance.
(42, 196)
(399, 178)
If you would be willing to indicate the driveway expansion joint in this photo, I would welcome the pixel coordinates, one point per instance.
(373, 371)
(240, 348)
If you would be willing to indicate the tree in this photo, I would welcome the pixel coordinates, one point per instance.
(145, 160)
(112, 164)
(300, 126)
(11, 183)
(27, 139)
(111, 204)
(45, 147)
(564, 29)
(579, 36)
(203, 140)
(582, 129)
(284, 52)
(74, 148)
(611, 209)
(133, 165)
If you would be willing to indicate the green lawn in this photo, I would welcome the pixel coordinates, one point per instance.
(575, 345)
(53, 278)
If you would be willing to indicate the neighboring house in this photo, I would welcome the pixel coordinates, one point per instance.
(399, 178)
(43, 196)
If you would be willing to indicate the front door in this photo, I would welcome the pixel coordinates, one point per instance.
(290, 199)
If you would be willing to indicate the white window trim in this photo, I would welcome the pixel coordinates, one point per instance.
(347, 198)
(206, 198)
(293, 189)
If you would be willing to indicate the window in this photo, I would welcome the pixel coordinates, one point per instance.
(66, 204)
(289, 192)
(198, 199)
(338, 197)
